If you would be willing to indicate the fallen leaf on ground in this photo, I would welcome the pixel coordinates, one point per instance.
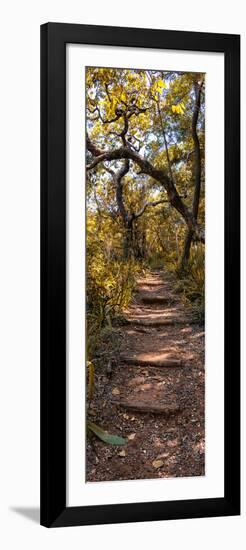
(104, 435)
(131, 437)
(173, 443)
(157, 463)
(136, 380)
(122, 453)
(115, 391)
(157, 442)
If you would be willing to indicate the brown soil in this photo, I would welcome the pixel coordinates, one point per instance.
(153, 393)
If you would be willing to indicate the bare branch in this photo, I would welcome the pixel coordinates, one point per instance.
(109, 170)
(147, 204)
(107, 92)
(165, 142)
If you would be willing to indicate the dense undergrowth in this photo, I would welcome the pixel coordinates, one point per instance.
(190, 280)
(110, 284)
(191, 283)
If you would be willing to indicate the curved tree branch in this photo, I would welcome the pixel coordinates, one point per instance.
(146, 205)
(157, 174)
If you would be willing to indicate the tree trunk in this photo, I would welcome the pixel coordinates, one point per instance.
(134, 245)
(128, 251)
(197, 175)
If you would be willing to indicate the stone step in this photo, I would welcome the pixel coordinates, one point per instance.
(148, 407)
(156, 299)
(151, 283)
(158, 322)
(152, 360)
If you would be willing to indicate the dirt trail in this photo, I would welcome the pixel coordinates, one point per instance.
(155, 393)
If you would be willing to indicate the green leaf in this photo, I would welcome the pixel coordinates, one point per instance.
(105, 436)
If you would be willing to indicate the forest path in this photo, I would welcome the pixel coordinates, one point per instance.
(155, 396)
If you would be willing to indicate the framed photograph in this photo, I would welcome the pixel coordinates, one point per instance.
(140, 275)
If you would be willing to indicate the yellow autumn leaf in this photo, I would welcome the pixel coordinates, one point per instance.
(178, 109)
(123, 96)
(161, 84)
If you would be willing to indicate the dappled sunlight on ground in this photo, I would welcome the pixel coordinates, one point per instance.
(155, 397)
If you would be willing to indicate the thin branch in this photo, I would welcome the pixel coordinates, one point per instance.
(165, 143)
(147, 205)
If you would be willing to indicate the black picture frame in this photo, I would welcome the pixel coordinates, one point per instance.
(54, 37)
